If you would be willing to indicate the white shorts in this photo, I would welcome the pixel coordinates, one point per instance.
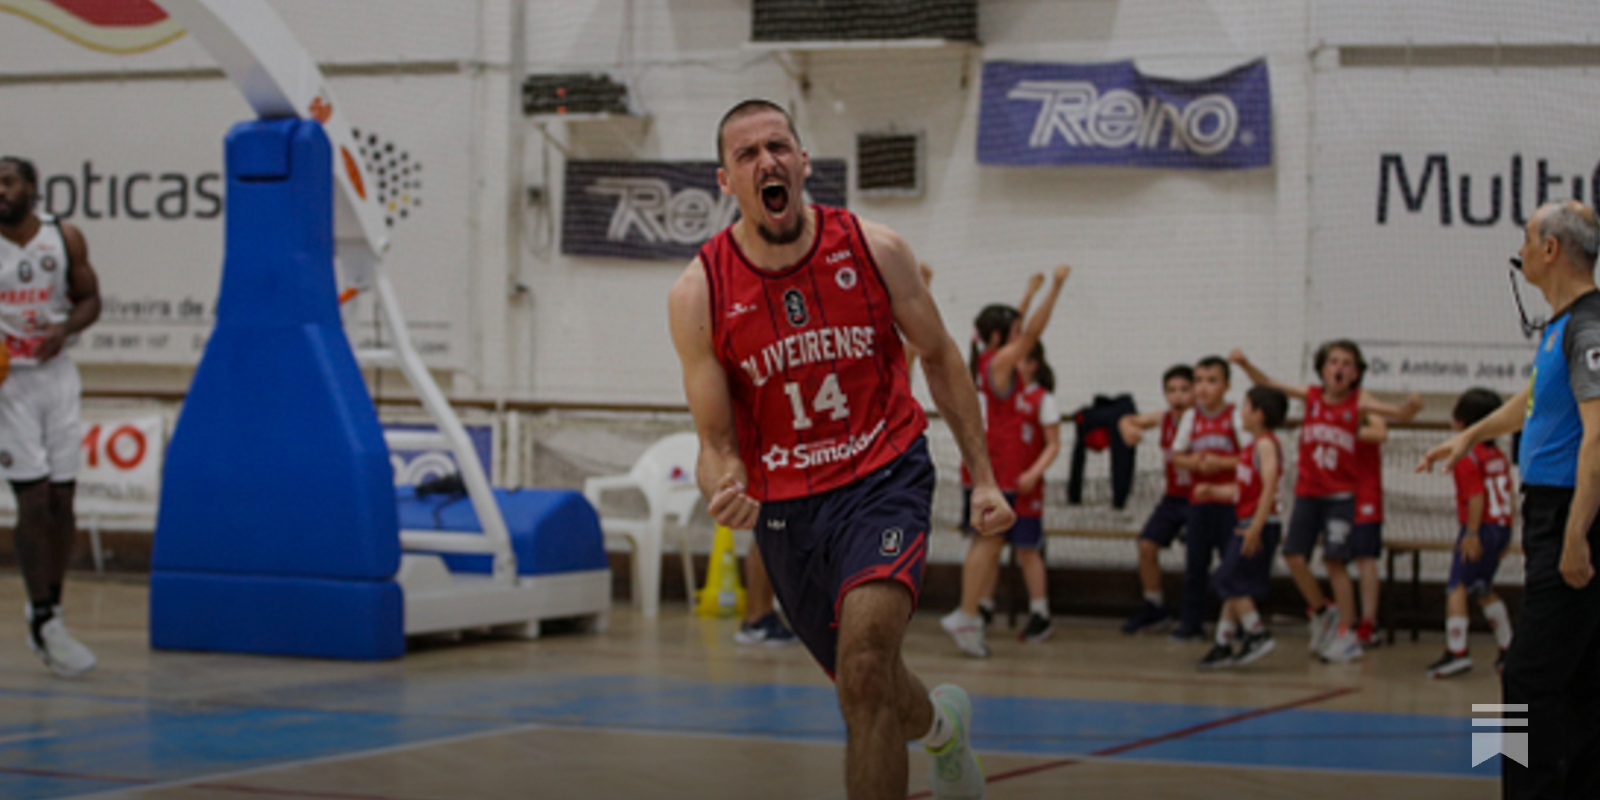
(40, 431)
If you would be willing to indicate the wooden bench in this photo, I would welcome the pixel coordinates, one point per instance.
(1412, 616)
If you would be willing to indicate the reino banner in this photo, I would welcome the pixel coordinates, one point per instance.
(1110, 114)
(661, 209)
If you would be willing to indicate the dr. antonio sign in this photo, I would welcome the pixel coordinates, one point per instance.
(660, 209)
(1111, 114)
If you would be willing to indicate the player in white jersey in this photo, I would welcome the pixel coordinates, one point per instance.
(48, 294)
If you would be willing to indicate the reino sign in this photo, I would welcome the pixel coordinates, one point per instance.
(1037, 114)
(134, 195)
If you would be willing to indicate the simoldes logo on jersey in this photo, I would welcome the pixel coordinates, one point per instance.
(1077, 112)
(815, 454)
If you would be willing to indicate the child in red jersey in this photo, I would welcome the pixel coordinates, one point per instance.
(1366, 538)
(1325, 488)
(1246, 567)
(1484, 508)
(1207, 444)
(1000, 388)
(1172, 513)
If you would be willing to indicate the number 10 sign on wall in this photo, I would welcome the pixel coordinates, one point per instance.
(122, 459)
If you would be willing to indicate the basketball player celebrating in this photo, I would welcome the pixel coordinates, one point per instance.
(1325, 489)
(48, 293)
(788, 325)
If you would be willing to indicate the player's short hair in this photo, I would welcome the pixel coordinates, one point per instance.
(30, 175)
(1573, 224)
(1271, 402)
(995, 318)
(1346, 345)
(1215, 362)
(1475, 404)
(1183, 371)
(745, 108)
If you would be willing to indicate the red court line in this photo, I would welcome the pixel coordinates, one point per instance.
(1148, 741)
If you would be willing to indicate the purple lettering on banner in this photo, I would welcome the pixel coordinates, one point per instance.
(1037, 114)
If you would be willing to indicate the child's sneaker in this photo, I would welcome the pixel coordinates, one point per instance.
(1039, 629)
(968, 633)
(1367, 634)
(957, 775)
(1450, 664)
(1218, 657)
(1324, 625)
(1342, 648)
(769, 630)
(1149, 614)
(1253, 647)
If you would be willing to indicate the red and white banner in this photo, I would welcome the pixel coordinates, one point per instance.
(122, 460)
(110, 26)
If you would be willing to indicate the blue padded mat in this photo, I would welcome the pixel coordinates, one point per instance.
(552, 530)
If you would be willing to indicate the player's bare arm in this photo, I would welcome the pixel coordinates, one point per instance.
(1133, 426)
(1035, 283)
(1576, 567)
(1401, 413)
(1373, 429)
(83, 289)
(1471, 545)
(948, 380)
(719, 472)
(1004, 364)
(1506, 419)
(1259, 378)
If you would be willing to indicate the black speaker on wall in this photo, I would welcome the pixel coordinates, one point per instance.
(573, 93)
(889, 163)
(832, 20)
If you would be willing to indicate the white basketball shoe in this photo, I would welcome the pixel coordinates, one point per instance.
(64, 655)
(957, 775)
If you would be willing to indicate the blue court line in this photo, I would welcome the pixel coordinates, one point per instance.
(142, 741)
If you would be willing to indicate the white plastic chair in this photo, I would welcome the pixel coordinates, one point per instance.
(665, 475)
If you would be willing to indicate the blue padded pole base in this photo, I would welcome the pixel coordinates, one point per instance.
(270, 615)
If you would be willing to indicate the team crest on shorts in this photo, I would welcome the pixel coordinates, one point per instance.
(846, 278)
(893, 540)
(794, 305)
(48, 264)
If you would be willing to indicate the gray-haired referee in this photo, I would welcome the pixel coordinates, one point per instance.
(1554, 663)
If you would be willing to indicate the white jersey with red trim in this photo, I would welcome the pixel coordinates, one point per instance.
(33, 290)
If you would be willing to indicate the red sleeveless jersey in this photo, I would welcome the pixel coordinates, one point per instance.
(1034, 402)
(1215, 434)
(1484, 471)
(1369, 483)
(1179, 483)
(1249, 477)
(1328, 445)
(1008, 421)
(821, 394)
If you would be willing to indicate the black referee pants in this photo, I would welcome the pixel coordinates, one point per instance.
(1554, 663)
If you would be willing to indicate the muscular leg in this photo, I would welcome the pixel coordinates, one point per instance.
(883, 704)
(63, 534)
(35, 541)
(758, 587)
(1305, 581)
(1344, 592)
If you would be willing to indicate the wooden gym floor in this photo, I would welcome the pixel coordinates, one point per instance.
(672, 708)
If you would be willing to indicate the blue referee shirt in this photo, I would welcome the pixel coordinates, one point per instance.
(1566, 372)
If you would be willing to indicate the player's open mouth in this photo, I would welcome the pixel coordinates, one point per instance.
(775, 196)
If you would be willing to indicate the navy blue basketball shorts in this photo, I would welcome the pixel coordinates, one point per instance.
(818, 548)
(1247, 577)
(1366, 540)
(1478, 576)
(1316, 517)
(1166, 521)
